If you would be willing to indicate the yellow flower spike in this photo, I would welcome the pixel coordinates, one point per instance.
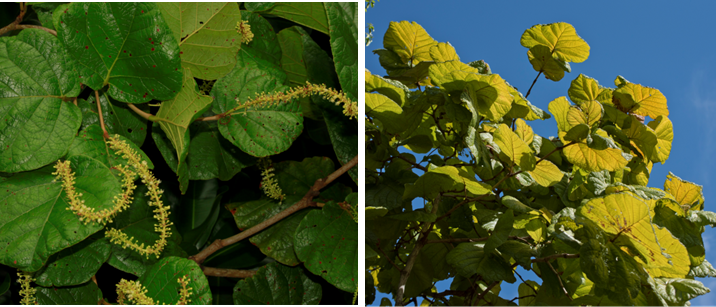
(154, 193)
(27, 292)
(133, 292)
(269, 184)
(244, 28)
(350, 108)
(184, 292)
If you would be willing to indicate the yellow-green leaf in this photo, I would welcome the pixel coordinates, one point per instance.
(622, 214)
(442, 75)
(642, 136)
(375, 83)
(385, 110)
(575, 116)
(641, 100)
(594, 160)
(561, 38)
(446, 179)
(541, 59)
(584, 89)
(560, 110)
(443, 52)
(514, 148)
(410, 41)
(524, 131)
(664, 131)
(685, 192)
(537, 230)
(546, 174)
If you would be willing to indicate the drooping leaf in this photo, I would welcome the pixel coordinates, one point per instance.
(490, 94)
(343, 26)
(678, 291)
(74, 265)
(501, 232)
(664, 136)
(85, 294)
(386, 110)
(392, 89)
(206, 34)
(626, 215)
(138, 59)
(37, 75)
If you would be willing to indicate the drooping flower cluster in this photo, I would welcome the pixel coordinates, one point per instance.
(133, 292)
(350, 108)
(87, 214)
(244, 28)
(269, 184)
(122, 201)
(161, 213)
(27, 292)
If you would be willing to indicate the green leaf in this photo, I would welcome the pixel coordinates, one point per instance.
(278, 285)
(274, 241)
(515, 204)
(705, 269)
(445, 179)
(291, 42)
(44, 12)
(394, 90)
(137, 58)
(470, 258)
(327, 242)
(175, 116)
(414, 216)
(197, 212)
(443, 52)
(37, 75)
(630, 217)
(74, 265)
(679, 291)
(267, 47)
(309, 14)
(501, 232)
(344, 137)
(519, 251)
(85, 294)
(561, 38)
(5, 282)
(490, 94)
(409, 41)
(537, 230)
(258, 6)
(343, 25)
(387, 111)
(206, 34)
(258, 130)
(161, 281)
(524, 290)
(559, 109)
(513, 148)
(36, 223)
(90, 143)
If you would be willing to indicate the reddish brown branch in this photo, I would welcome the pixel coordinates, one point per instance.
(219, 272)
(20, 27)
(101, 117)
(18, 20)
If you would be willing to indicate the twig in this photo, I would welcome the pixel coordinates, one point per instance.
(533, 84)
(219, 272)
(521, 297)
(20, 27)
(457, 240)
(555, 256)
(305, 202)
(141, 113)
(210, 118)
(386, 257)
(101, 117)
(560, 281)
(418, 166)
(75, 101)
(492, 285)
(18, 19)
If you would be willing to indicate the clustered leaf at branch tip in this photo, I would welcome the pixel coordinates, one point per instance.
(350, 108)
(26, 291)
(134, 292)
(269, 184)
(122, 201)
(244, 28)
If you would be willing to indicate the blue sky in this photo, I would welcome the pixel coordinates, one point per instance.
(661, 44)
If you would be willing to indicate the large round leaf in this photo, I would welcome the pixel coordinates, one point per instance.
(561, 38)
(74, 265)
(161, 281)
(260, 130)
(207, 36)
(327, 241)
(137, 57)
(622, 214)
(35, 124)
(85, 294)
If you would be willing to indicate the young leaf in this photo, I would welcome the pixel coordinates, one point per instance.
(561, 38)
(409, 41)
